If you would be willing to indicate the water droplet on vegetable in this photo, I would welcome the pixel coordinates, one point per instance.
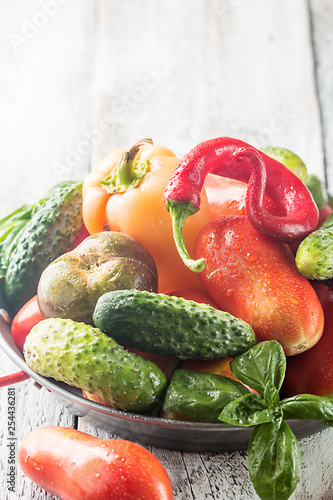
(252, 257)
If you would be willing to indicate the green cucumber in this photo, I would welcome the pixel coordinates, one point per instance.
(171, 326)
(314, 256)
(201, 396)
(49, 233)
(84, 357)
(3, 300)
(10, 229)
(289, 160)
(318, 190)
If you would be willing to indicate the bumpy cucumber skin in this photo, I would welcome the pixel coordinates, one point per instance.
(289, 160)
(171, 326)
(314, 256)
(84, 357)
(51, 232)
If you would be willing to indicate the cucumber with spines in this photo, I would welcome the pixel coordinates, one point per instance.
(314, 256)
(49, 233)
(171, 326)
(84, 357)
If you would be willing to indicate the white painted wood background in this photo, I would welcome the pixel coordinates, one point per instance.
(79, 78)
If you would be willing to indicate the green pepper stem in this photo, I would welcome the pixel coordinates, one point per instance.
(179, 211)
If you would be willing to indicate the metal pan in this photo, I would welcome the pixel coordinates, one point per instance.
(149, 430)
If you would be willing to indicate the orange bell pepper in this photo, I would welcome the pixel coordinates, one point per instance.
(124, 193)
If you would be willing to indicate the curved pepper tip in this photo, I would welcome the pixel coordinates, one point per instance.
(301, 214)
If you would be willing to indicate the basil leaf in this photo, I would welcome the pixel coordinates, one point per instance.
(247, 410)
(271, 395)
(265, 362)
(309, 407)
(274, 461)
(201, 395)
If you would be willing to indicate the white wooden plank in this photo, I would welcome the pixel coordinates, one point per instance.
(238, 68)
(44, 96)
(316, 481)
(322, 24)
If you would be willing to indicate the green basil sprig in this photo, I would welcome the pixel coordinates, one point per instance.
(274, 460)
(274, 457)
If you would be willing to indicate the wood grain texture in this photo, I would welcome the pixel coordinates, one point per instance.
(46, 67)
(206, 69)
(34, 407)
(322, 26)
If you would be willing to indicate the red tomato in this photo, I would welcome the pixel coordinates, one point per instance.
(255, 278)
(225, 196)
(83, 234)
(96, 399)
(194, 294)
(74, 465)
(228, 197)
(323, 214)
(311, 372)
(25, 319)
(215, 366)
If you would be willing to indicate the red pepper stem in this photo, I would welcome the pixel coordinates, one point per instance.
(179, 211)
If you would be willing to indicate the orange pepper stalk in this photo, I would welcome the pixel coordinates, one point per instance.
(124, 193)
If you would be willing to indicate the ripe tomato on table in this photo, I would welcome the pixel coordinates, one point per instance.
(76, 466)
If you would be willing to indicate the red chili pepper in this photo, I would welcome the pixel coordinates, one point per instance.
(236, 159)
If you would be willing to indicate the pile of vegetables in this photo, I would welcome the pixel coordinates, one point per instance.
(219, 311)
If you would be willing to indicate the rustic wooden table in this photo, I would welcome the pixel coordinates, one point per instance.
(82, 77)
